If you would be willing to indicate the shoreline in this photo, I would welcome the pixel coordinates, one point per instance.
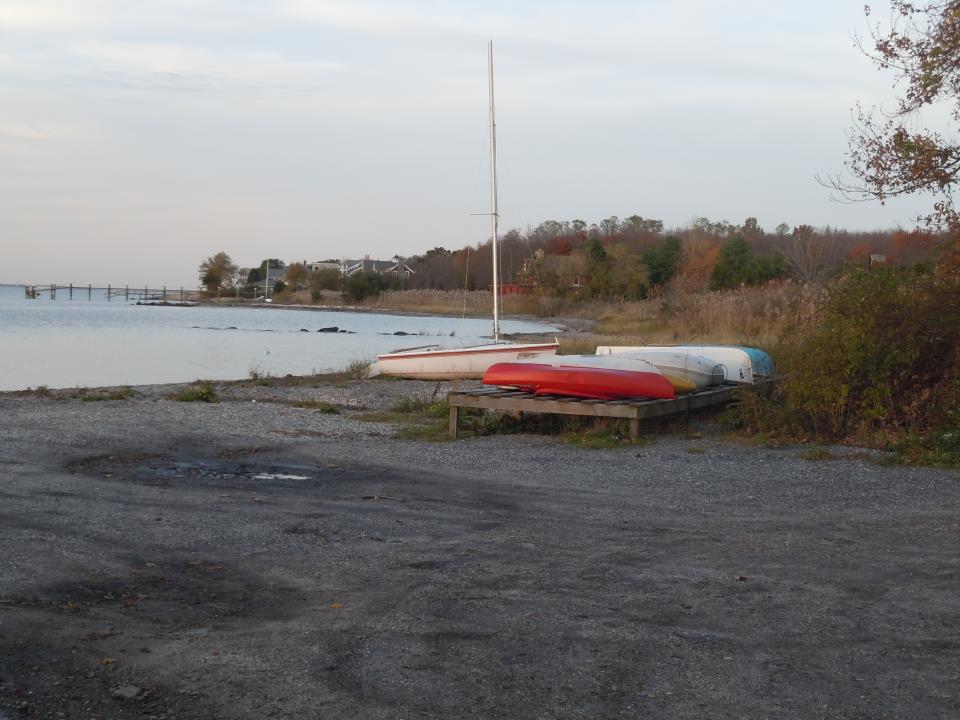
(562, 324)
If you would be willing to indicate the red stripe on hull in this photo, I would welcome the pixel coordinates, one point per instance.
(595, 383)
(469, 351)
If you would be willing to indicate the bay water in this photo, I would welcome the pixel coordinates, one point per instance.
(66, 343)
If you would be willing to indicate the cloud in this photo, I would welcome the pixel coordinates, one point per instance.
(172, 60)
(21, 132)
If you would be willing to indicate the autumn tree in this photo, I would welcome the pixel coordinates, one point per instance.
(296, 274)
(811, 254)
(218, 271)
(891, 154)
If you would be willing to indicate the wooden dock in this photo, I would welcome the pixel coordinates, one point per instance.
(138, 294)
(517, 401)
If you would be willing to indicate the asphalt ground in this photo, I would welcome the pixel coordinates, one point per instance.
(253, 559)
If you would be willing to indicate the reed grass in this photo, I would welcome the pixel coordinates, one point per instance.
(749, 315)
(760, 316)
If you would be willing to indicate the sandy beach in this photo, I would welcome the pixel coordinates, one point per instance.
(251, 559)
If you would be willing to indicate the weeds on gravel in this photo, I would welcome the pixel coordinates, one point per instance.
(355, 370)
(261, 377)
(118, 394)
(201, 391)
(417, 406)
(321, 406)
(817, 454)
(936, 449)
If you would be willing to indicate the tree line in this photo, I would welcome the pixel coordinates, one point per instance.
(613, 259)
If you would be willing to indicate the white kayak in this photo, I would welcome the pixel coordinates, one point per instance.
(705, 362)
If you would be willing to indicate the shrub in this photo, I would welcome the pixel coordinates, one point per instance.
(416, 406)
(881, 359)
(199, 392)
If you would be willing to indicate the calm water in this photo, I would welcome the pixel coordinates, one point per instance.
(62, 343)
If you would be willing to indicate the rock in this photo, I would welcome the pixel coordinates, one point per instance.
(401, 332)
(304, 330)
(125, 692)
(334, 328)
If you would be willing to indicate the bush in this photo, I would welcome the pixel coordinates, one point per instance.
(881, 359)
(200, 392)
(361, 285)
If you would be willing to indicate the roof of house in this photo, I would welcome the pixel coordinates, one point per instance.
(349, 267)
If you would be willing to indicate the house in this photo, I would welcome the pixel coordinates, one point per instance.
(395, 266)
(324, 265)
(273, 275)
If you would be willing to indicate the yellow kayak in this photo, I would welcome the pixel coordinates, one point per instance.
(680, 383)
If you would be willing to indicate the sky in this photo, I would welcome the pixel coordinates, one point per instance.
(139, 137)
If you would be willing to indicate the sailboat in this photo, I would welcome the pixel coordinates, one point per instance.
(445, 363)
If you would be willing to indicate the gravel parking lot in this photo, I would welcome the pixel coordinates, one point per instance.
(254, 559)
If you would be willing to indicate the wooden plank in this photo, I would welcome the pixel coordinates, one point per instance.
(629, 408)
(452, 431)
(543, 405)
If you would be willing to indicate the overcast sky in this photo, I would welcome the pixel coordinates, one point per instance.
(138, 137)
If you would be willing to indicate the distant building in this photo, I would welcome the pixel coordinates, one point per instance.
(395, 266)
(274, 274)
(324, 265)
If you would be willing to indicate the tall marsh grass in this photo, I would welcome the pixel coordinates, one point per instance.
(751, 315)
(759, 316)
(458, 302)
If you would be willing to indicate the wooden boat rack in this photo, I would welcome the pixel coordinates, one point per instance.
(517, 401)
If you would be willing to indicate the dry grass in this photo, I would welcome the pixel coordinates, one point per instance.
(474, 303)
(752, 316)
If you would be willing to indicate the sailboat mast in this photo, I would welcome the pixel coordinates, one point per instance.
(494, 212)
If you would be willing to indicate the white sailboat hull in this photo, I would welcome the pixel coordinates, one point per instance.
(440, 363)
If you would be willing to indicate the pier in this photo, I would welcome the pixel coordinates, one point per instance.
(141, 294)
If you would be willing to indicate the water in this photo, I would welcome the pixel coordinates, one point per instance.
(62, 343)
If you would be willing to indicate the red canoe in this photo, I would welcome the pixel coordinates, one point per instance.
(586, 382)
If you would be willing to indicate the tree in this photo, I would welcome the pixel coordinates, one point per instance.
(664, 261)
(296, 274)
(361, 285)
(739, 265)
(320, 280)
(218, 271)
(811, 254)
(890, 155)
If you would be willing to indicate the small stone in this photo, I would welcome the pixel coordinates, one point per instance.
(125, 692)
